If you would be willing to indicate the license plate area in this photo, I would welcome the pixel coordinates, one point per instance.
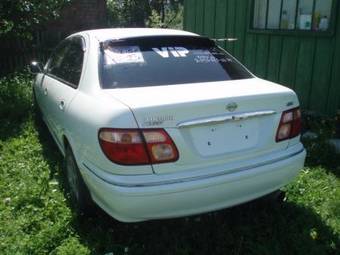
(231, 136)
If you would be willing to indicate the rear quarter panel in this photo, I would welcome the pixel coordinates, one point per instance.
(92, 109)
(85, 116)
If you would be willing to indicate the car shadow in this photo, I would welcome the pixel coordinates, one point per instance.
(257, 227)
(50, 152)
(252, 228)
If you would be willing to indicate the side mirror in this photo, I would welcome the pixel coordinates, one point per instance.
(35, 67)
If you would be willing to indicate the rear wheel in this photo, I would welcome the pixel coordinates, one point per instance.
(79, 194)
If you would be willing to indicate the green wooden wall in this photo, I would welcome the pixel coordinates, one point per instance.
(309, 64)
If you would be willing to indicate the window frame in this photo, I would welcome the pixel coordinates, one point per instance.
(66, 41)
(294, 32)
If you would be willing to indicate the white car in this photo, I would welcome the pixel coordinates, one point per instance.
(158, 123)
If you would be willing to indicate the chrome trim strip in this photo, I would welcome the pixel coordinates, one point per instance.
(224, 118)
(197, 178)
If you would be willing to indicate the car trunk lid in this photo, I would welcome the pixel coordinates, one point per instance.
(212, 123)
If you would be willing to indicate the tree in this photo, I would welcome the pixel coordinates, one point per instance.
(164, 7)
(128, 13)
(139, 13)
(21, 17)
(170, 19)
(166, 14)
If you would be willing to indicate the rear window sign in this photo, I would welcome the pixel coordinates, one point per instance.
(205, 59)
(123, 55)
(205, 56)
(166, 52)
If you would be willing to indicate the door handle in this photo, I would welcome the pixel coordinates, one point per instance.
(45, 91)
(62, 105)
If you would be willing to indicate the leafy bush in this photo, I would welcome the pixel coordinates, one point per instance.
(128, 13)
(173, 19)
(71, 246)
(150, 13)
(320, 150)
(15, 96)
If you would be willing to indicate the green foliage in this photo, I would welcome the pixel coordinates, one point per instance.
(15, 96)
(166, 14)
(35, 215)
(155, 20)
(173, 18)
(151, 13)
(128, 13)
(20, 17)
(320, 150)
(71, 246)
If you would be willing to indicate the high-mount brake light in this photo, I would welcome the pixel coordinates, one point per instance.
(137, 146)
(290, 125)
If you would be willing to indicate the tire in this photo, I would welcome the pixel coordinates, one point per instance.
(79, 194)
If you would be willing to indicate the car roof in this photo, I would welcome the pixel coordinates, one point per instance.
(120, 33)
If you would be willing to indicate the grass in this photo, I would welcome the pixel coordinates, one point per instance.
(35, 215)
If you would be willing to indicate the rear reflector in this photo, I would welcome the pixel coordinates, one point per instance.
(290, 125)
(137, 146)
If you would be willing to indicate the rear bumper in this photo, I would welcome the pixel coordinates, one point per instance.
(132, 203)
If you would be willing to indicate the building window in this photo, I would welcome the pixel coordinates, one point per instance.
(306, 15)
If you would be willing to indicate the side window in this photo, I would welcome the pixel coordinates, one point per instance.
(67, 62)
(55, 62)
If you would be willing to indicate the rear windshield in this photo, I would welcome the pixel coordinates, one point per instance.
(159, 61)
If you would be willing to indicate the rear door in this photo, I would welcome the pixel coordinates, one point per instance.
(62, 81)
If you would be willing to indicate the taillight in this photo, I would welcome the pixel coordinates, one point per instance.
(137, 146)
(290, 125)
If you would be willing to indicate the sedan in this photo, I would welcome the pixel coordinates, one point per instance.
(158, 123)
